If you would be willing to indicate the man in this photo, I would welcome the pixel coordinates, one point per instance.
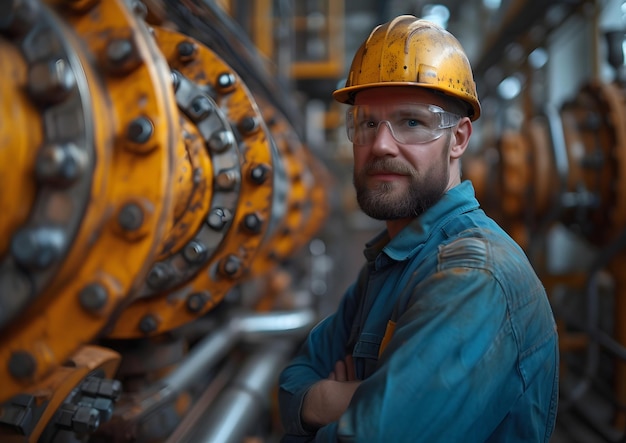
(447, 335)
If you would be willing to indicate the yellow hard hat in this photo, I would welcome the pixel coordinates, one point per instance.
(408, 51)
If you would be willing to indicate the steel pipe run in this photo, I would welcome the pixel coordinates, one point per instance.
(240, 406)
(275, 333)
(240, 327)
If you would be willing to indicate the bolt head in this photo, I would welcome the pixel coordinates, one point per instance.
(148, 324)
(93, 297)
(226, 81)
(22, 365)
(200, 108)
(140, 130)
(130, 217)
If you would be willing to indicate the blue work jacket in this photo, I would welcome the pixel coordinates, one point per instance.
(452, 336)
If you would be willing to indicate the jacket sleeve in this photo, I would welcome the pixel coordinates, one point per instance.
(450, 371)
(324, 345)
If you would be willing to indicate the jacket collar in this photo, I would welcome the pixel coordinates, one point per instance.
(411, 239)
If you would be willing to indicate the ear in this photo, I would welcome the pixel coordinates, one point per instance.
(461, 136)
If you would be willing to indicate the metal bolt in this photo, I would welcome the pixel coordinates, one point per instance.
(259, 174)
(85, 420)
(226, 81)
(110, 389)
(176, 78)
(140, 130)
(18, 16)
(218, 218)
(104, 406)
(230, 266)
(139, 9)
(227, 179)
(197, 301)
(195, 252)
(93, 297)
(158, 275)
(200, 108)
(22, 365)
(130, 217)
(18, 413)
(119, 51)
(220, 141)
(186, 51)
(51, 81)
(248, 125)
(63, 417)
(252, 222)
(148, 324)
(90, 386)
(37, 247)
(60, 163)
(198, 176)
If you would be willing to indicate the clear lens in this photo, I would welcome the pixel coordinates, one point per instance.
(410, 123)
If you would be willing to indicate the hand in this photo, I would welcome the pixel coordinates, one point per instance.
(344, 370)
(329, 398)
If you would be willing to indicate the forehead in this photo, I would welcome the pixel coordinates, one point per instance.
(397, 94)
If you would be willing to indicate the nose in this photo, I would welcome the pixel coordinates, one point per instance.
(384, 142)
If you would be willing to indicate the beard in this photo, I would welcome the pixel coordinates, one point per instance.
(391, 200)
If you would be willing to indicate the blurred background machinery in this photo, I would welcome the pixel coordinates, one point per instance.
(178, 208)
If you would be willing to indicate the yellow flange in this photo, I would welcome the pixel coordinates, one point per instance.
(103, 168)
(16, 165)
(246, 169)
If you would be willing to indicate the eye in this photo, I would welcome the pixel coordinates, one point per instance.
(411, 123)
(370, 124)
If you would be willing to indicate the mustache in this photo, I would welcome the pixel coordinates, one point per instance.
(387, 165)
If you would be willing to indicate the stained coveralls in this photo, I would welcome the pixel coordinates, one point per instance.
(451, 333)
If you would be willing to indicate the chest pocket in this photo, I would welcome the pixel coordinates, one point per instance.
(365, 353)
(367, 346)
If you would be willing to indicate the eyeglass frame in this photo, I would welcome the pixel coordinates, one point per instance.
(447, 120)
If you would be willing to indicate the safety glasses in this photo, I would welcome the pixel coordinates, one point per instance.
(409, 123)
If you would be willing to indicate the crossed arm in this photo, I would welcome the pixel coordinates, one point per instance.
(328, 399)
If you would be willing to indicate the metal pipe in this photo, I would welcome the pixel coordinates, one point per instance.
(240, 326)
(207, 353)
(240, 405)
(272, 324)
(559, 145)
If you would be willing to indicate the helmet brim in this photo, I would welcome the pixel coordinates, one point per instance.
(346, 95)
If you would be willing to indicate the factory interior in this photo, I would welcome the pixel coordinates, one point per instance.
(179, 209)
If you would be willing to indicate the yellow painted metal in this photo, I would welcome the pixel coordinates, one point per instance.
(150, 188)
(412, 52)
(239, 246)
(106, 250)
(191, 189)
(306, 199)
(56, 388)
(285, 239)
(16, 165)
(263, 27)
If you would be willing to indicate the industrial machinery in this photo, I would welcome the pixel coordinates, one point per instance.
(563, 170)
(157, 190)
